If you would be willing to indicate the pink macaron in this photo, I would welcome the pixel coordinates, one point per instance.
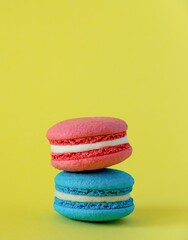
(90, 143)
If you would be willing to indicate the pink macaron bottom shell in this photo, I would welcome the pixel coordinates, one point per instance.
(92, 163)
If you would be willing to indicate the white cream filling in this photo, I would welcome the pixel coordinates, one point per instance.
(87, 147)
(81, 198)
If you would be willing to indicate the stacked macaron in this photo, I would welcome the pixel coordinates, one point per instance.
(87, 190)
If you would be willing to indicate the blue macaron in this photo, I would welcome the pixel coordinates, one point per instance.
(100, 195)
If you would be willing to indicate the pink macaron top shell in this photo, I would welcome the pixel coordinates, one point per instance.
(85, 127)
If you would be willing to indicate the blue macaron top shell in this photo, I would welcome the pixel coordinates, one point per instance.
(103, 179)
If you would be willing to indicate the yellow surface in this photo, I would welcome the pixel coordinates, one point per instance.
(64, 59)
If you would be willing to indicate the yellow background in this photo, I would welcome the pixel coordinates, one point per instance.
(65, 59)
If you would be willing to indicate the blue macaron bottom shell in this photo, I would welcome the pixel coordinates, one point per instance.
(94, 214)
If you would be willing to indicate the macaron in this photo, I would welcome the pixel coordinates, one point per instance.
(100, 195)
(90, 143)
